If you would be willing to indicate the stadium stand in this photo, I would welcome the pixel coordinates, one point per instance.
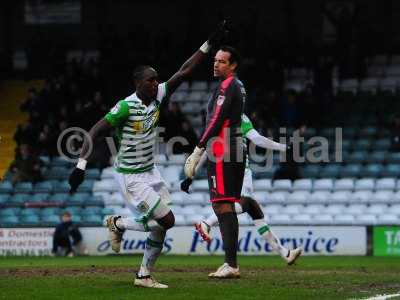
(362, 188)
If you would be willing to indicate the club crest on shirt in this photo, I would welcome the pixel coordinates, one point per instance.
(143, 207)
(220, 100)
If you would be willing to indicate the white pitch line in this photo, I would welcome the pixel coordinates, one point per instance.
(382, 297)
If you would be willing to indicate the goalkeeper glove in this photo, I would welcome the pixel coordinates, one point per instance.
(192, 161)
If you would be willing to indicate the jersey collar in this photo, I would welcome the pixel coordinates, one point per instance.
(151, 104)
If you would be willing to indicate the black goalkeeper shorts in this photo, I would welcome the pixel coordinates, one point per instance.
(225, 180)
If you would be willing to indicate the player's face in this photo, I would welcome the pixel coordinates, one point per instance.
(148, 85)
(222, 66)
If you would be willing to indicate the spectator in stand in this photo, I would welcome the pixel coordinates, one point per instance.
(94, 80)
(26, 134)
(67, 239)
(274, 75)
(26, 166)
(36, 108)
(31, 102)
(323, 73)
(96, 108)
(268, 108)
(73, 92)
(259, 122)
(62, 126)
(78, 118)
(310, 107)
(46, 92)
(63, 114)
(47, 141)
(291, 115)
(290, 168)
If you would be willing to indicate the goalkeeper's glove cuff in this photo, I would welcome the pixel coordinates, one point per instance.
(198, 151)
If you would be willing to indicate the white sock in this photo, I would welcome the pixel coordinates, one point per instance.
(264, 230)
(154, 245)
(133, 224)
(212, 219)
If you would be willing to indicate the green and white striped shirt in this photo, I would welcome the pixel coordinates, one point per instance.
(245, 127)
(136, 124)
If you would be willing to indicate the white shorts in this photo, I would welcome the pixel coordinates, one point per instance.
(146, 194)
(247, 187)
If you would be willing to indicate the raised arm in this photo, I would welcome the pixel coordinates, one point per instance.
(263, 142)
(188, 66)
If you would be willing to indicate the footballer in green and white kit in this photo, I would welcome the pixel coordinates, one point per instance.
(138, 177)
(135, 119)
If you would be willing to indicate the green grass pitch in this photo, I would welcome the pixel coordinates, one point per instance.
(111, 277)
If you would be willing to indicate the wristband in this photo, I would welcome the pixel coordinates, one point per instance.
(199, 151)
(205, 47)
(81, 164)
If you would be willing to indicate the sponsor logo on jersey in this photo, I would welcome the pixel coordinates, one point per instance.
(152, 121)
(138, 125)
(220, 100)
(146, 124)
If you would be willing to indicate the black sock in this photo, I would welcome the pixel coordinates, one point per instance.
(229, 226)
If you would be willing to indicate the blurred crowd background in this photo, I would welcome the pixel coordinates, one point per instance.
(299, 62)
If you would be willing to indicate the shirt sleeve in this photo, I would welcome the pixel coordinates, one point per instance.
(162, 91)
(246, 125)
(263, 142)
(220, 113)
(118, 114)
